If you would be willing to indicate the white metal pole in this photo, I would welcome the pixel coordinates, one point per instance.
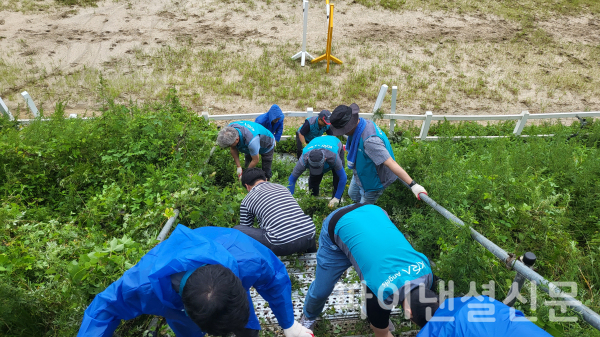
(303, 54)
(4, 110)
(380, 98)
(309, 112)
(521, 123)
(30, 104)
(426, 123)
(393, 108)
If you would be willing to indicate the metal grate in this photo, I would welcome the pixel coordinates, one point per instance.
(344, 303)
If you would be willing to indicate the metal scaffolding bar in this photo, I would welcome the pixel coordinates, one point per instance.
(588, 315)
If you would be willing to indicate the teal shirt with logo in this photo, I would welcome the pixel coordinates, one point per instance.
(379, 252)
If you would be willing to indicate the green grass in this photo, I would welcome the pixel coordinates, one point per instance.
(72, 187)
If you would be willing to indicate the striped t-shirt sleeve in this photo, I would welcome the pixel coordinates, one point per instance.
(246, 217)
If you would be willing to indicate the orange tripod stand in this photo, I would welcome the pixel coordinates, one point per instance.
(327, 56)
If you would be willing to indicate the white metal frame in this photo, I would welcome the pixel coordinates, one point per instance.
(392, 116)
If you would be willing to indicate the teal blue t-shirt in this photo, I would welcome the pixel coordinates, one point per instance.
(380, 253)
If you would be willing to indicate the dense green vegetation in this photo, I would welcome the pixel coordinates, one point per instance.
(83, 200)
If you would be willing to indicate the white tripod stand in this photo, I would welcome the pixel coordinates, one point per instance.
(304, 54)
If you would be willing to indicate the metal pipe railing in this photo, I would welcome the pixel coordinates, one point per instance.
(155, 324)
(167, 227)
(588, 315)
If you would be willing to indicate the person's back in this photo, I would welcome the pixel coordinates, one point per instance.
(380, 253)
(249, 143)
(479, 316)
(150, 286)
(284, 228)
(272, 120)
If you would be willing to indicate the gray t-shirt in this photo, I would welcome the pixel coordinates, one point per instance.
(376, 150)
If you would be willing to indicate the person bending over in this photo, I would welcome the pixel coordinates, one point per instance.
(198, 280)
(370, 156)
(272, 120)
(312, 128)
(321, 155)
(251, 139)
(470, 317)
(283, 226)
(362, 235)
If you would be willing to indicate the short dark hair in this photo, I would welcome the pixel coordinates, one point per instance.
(251, 175)
(215, 299)
(419, 304)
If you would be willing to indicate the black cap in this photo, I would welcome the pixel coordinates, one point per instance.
(325, 115)
(316, 161)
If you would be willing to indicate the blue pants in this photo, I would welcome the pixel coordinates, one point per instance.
(331, 264)
(358, 194)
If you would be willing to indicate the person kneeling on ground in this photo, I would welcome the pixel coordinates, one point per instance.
(272, 120)
(251, 139)
(312, 128)
(284, 228)
(198, 280)
(470, 317)
(370, 156)
(362, 235)
(321, 155)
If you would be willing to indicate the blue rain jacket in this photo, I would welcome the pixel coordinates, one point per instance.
(266, 119)
(146, 287)
(479, 316)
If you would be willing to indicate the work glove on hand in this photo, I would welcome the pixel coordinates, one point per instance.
(416, 189)
(297, 330)
(239, 172)
(333, 202)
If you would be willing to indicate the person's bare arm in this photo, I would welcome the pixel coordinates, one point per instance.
(254, 161)
(302, 139)
(398, 170)
(236, 155)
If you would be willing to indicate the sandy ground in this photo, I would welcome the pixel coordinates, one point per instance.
(65, 39)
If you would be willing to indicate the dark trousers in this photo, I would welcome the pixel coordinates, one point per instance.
(315, 181)
(266, 159)
(298, 146)
(305, 244)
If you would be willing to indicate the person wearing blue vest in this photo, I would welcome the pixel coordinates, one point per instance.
(370, 156)
(312, 128)
(362, 236)
(198, 280)
(272, 120)
(321, 155)
(475, 317)
(251, 139)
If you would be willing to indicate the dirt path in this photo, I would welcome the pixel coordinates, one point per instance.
(66, 40)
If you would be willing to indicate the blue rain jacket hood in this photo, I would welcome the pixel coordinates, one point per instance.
(146, 287)
(266, 119)
(479, 316)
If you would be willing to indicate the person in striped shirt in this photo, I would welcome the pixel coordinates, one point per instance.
(283, 226)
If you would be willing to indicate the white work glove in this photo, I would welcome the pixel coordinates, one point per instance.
(239, 172)
(297, 330)
(416, 189)
(333, 202)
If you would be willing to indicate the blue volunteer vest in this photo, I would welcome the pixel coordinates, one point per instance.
(365, 168)
(329, 143)
(255, 129)
(379, 252)
(315, 130)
